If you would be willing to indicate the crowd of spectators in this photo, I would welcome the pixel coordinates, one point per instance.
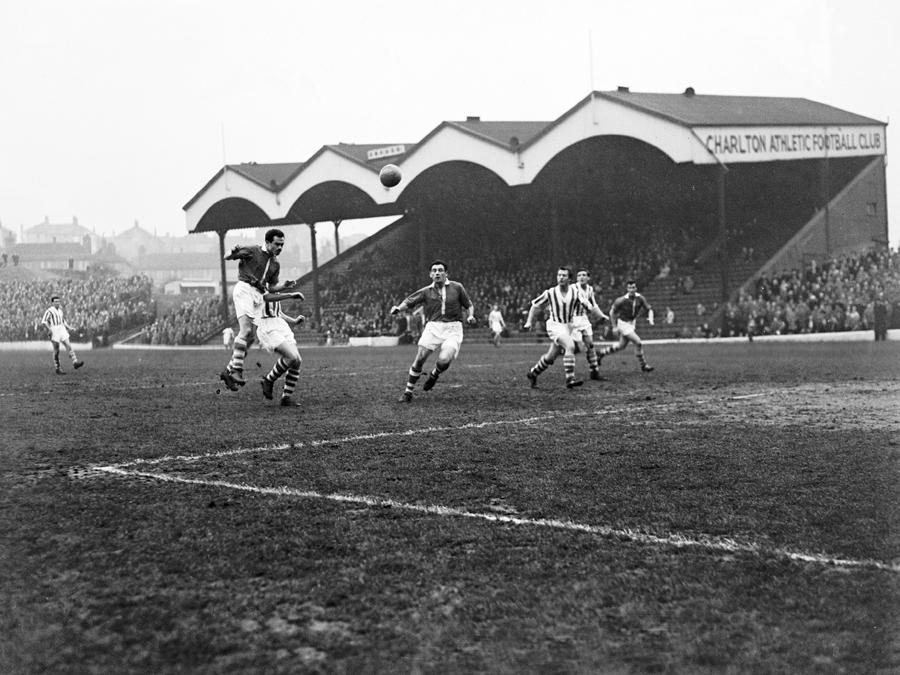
(95, 306)
(356, 302)
(101, 306)
(190, 323)
(835, 295)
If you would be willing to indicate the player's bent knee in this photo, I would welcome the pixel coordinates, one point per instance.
(449, 351)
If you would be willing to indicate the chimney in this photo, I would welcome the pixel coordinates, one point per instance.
(689, 92)
(622, 90)
(473, 118)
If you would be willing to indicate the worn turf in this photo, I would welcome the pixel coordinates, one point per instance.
(737, 510)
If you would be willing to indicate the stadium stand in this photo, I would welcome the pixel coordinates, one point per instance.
(828, 296)
(95, 306)
(671, 268)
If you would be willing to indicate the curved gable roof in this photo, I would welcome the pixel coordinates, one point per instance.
(708, 110)
(359, 153)
(517, 150)
(270, 176)
(502, 133)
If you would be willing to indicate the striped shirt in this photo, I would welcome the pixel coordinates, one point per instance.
(53, 317)
(584, 309)
(271, 309)
(628, 309)
(562, 304)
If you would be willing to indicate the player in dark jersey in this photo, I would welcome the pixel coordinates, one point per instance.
(444, 303)
(624, 314)
(257, 273)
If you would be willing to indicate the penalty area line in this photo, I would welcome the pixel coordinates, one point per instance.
(717, 544)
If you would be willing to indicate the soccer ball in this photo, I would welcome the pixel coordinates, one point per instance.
(390, 175)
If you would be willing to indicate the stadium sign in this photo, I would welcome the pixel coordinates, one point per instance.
(389, 151)
(764, 144)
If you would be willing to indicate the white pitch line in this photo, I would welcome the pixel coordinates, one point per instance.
(740, 398)
(720, 544)
(370, 437)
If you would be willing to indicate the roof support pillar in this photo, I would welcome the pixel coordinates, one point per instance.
(723, 232)
(825, 197)
(337, 239)
(315, 274)
(224, 306)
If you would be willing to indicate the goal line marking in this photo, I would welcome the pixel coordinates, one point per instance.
(718, 544)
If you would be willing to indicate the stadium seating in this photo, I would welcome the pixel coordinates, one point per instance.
(95, 306)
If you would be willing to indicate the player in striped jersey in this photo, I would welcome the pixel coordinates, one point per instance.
(59, 333)
(624, 314)
(562, 301)
(442, 302)
(276, 335)
(584, 330)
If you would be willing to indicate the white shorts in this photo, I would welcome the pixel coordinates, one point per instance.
(497, 327)
(439, 333)
(58, 334)
(273, 333)
(248, 301)
(557, 331)
(626, 328)
(582, 328)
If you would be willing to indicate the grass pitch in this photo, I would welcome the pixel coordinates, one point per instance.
(736, 510)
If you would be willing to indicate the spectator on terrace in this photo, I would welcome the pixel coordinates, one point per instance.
(854, 320)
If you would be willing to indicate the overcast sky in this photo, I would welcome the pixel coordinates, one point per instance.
(113, 110)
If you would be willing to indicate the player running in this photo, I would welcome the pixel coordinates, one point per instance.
(59, 334)
(443, 303)
(584, 330)
(562, 301)
(624, 314)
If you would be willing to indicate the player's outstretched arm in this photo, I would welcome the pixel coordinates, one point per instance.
(293, 320)
(278, 296)
(238, 253)
(287, 285)
(599, 313)
(529, 318)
